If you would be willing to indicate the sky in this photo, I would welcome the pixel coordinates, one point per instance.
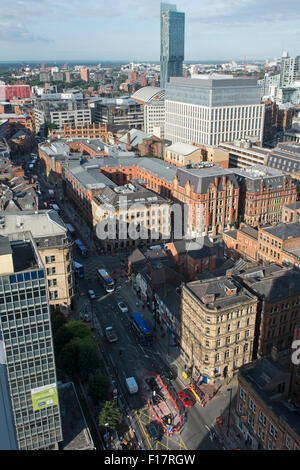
(129, 30)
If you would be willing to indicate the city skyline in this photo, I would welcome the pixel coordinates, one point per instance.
(215, 30)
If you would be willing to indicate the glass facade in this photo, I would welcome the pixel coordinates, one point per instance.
(172, 43)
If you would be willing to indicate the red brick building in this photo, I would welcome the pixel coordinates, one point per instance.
(262, 417)
(263, 193)
(213, 188)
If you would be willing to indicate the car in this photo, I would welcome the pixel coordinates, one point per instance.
(155, 430)
(123, 307)
(92, 294)
(186, 398)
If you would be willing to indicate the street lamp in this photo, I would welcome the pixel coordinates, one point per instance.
(228, 421)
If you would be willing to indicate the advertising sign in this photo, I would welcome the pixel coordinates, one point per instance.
(43, 397)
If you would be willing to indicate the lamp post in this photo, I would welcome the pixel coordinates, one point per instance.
(228, 421)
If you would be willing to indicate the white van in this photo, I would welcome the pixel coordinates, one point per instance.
(131, 385)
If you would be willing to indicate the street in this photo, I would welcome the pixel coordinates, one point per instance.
(126, 357)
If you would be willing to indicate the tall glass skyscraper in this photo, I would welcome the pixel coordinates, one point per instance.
(172, 25)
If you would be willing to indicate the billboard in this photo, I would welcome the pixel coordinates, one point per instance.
(43, 397)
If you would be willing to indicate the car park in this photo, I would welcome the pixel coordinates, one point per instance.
(186, 398)
(123, 307)
(92, 294)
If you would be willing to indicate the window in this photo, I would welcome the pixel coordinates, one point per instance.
(243, 394)
(273, 431)
(50, 259)
(252, 405)
(288, 442)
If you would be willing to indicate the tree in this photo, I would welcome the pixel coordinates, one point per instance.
(57, 320)
(88, 356)
(68, 358)
(60, 338)
(110, 415)
(79, 329)
(98, 387)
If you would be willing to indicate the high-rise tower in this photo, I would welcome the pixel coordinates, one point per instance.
(172, 26)
(29, 407)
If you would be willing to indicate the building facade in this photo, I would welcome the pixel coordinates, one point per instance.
(217, 328)
(212, 195)
(263, 193)
(172, 30)
(209, 111)
(55, 250)
(27, 369)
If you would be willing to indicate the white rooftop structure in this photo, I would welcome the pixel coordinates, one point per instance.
(41, 224)
(182, 149)
(149, 93)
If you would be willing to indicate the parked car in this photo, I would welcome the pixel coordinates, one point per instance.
(123, 307)
(155, 430)
(186, 398)
(92, 294)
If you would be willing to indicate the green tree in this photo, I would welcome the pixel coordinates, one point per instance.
(68, 357)
(110, 414)
(79, 329)
(57, 320)
(60, 338)
(98, 387)
(88, 356)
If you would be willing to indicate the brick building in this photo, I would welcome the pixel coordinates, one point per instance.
(280, 244)
(264, 417)
(291, 212)
(213, 189)
(263, 192)
(278, 291)
(191, 258)
(241, 242)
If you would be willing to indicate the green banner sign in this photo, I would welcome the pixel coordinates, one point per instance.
(43, 397)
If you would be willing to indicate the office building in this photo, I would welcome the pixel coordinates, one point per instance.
(134, 208)
(289, 70)
(152, 102)
(61, 109)
(242, 153)
(117, 113)
(209, 111)
(172, 28)
(85, 75)
(54, 247)
(31, 417)
(217, 328)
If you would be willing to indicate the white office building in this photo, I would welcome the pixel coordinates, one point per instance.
(209, 111)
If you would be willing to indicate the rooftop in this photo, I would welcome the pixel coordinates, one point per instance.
(261, 375)
(41, 224)
(76, 434)
(219, 293)
(200, 178)
(149, 93)
(182, 149)
(284, 231)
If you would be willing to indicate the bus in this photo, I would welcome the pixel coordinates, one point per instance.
(141, 329)
(83, 250)
(107, 281)
(79, 270)
(71, 229)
